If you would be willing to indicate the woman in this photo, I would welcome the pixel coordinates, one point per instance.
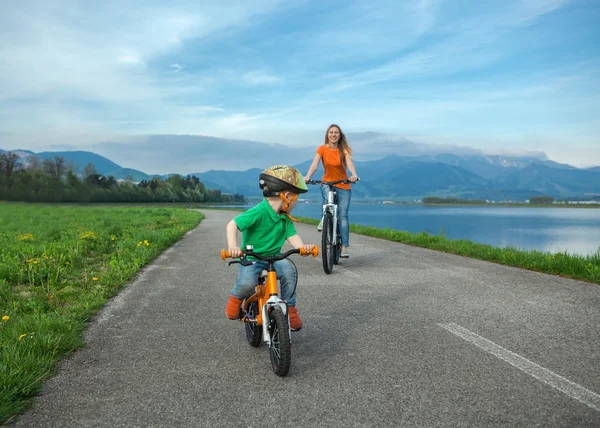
(336, 156)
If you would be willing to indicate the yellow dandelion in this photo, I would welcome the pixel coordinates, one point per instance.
(87, 235)
(112, 238)
(67, 263)
(21, 337)
(26, 237)
(36, 261)
(94, 279)
(5, 318)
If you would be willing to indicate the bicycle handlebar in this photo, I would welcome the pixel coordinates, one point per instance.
(332, 183)
(315, 252)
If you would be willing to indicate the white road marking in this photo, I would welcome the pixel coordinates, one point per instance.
(550, 378)
(346, 272)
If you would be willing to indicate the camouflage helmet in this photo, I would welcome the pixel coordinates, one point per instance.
(280, 178)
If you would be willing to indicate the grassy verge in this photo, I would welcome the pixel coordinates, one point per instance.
(584, 268)
(59, 266)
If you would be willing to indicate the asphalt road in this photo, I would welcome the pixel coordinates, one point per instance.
(396, 336)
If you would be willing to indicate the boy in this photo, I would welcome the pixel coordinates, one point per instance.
(266, 227)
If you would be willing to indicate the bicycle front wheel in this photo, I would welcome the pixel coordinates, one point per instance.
(327, 244)
(280, 350)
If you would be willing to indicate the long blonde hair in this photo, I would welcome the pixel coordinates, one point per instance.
(343, 146)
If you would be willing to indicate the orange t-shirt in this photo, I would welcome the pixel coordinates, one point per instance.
(334, 170)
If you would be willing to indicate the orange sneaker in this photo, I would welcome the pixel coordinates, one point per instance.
(295, 321)
(233, 308)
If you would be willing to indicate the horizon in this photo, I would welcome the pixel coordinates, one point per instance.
(437, 150)
(514, 76)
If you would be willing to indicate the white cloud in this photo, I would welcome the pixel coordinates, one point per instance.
(260, 77)
(54, 59)
(239, 122)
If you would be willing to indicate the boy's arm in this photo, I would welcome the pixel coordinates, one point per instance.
(232, 242)
(296, 242)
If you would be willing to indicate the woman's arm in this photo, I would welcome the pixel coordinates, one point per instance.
(313, 167)
(350, 165)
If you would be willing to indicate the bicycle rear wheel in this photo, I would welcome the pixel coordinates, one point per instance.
(253, 330)
(280, 350)
(327, 244)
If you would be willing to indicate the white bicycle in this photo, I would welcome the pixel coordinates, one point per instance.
(331, 241)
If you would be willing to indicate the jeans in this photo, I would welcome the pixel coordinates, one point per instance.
(343, 203)
(248, 279)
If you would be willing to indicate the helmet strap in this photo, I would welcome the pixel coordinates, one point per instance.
(286, 204)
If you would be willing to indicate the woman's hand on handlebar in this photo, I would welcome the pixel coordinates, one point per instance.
(354, 179)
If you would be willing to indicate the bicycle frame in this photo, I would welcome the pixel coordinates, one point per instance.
(331, 204)
(267, 297)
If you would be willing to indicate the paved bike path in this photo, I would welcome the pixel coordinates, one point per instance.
(396, 336)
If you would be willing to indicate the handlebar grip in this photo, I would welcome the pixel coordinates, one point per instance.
(314, 252)
(225, 254)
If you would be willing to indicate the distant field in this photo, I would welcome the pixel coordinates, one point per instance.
(58, 266)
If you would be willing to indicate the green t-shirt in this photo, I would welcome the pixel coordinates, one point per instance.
(264, 229)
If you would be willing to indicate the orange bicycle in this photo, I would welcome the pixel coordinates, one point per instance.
(264, 313)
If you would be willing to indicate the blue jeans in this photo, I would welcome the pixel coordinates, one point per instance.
(248, 278)
(343, 202)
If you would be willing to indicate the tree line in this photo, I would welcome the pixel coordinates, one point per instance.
(450, 200)
(59, 180)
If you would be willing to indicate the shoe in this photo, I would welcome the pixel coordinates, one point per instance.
(295, 321)
(320, 226)
(233, 308)
(344, 253)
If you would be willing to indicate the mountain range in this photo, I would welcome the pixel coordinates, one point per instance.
(471, 175)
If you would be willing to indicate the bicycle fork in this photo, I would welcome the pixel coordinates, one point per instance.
(272, 302)
(331, 207)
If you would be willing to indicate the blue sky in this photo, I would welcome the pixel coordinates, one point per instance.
(500, 76)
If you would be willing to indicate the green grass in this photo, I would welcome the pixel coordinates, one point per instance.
(58, 266)
(584, 268)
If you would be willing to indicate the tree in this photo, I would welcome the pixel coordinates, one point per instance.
(34, 163)
(55, 168)
(89, 169)
(541, 200)
(72, 167)
(9, 164)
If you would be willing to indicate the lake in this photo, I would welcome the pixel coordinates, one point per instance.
(575, 230)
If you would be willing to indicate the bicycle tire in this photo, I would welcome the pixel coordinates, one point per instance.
(253, 330)
(327, 245)
(280, 350)
(337, 248)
